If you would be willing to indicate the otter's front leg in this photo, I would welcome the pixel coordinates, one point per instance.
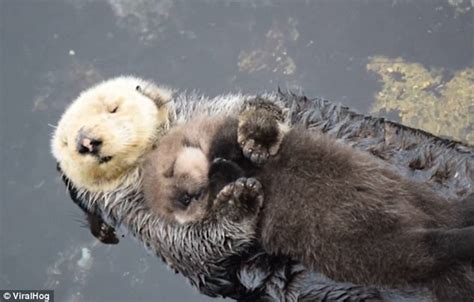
(261, 129)
(240, 200)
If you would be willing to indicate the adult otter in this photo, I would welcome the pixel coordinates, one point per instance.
(255, 274)
(100, 143)
(335, 209)
(103, 136)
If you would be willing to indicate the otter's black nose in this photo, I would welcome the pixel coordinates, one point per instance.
(88, 145)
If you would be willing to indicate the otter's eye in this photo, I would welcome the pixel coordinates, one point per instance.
(138, 88)
(114, 110)
(186, 199)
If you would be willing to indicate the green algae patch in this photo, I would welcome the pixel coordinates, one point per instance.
(426, 99)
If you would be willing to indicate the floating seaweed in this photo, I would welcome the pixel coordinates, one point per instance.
(432, 100)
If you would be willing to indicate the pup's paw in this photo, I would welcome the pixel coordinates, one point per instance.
(248, 192)
(260, 131)
(240, 199)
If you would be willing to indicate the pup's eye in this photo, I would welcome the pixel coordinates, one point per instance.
(186, 198)
(138, 88)
(114, 110)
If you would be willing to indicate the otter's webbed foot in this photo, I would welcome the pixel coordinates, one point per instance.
(261, 130)
(240, 200)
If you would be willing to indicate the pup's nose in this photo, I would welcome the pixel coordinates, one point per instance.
(88, 145)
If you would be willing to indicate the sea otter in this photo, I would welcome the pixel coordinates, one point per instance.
(253, 274)
(103, 136)
(100, 144)
(335, 209)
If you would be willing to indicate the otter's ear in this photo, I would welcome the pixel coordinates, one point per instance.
(160, 95)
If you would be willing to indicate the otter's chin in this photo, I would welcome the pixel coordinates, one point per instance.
(98, 173)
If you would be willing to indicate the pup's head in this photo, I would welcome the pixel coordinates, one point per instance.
(181, 181)
(179, 190)
(107, 130)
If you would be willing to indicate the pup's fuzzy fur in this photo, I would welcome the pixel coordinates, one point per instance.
(253, 274)
(334, 208)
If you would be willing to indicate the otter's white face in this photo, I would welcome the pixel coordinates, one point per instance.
(107, 130)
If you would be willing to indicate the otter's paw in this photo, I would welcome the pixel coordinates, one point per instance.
(240, 199)
(260, 131)
(101, 230)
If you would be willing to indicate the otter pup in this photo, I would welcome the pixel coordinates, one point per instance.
(335, 209)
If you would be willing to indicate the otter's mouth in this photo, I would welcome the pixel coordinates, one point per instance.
(104, 159)
(101, 159)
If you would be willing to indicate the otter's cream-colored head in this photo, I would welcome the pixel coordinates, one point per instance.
(104, 134)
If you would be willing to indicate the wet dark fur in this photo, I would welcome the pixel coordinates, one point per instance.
(101, 230)
(444, 164)
(341, 212)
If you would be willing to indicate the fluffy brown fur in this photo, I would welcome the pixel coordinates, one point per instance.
(341, 212)
(179, 166)
(335, 209)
